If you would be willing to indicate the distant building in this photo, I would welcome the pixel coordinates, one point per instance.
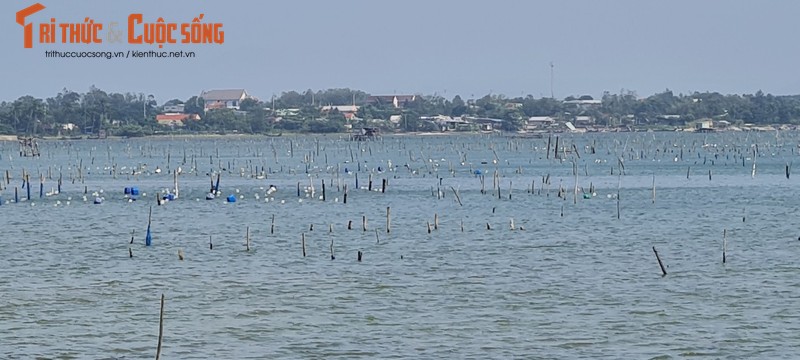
(176, 119)
(224, 99)
(586, 102)
(348, 111)
(174, 108)
(539, 122)
(584, 120)
(583, 104)
(704, 125)
(398, 101)
(341, 108)
(486, 124)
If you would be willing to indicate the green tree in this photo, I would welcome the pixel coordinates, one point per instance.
(195, 105)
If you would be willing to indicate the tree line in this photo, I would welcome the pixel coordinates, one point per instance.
(134, 114)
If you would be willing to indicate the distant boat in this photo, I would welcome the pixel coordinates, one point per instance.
(275, 135)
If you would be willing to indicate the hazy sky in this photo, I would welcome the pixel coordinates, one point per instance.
(467, 47)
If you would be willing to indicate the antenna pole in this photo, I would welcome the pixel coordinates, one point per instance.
(552, 96)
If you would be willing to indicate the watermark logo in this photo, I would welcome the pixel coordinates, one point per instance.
(28, 28)
(138, 30)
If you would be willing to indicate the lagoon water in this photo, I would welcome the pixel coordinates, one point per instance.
(582, 285)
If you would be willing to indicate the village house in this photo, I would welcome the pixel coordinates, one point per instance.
(584, 120)
(348, 111)
(175, 119)
(224, 99)
(174, 108)
(539, 122)
(398, 101)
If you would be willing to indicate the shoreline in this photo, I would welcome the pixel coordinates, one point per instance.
(532, 134)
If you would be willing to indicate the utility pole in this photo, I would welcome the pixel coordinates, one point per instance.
(552, 96)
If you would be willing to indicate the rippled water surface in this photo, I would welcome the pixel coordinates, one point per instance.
(577, 282)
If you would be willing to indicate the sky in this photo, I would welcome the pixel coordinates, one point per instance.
(468, 48)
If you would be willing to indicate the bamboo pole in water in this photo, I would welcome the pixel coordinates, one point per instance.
(724, 245)
(247, 238)
(654, 188)
(388, 219)
(160, 328)
(660, 264)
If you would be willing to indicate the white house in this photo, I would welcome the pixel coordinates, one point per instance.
(224, 99)
(174, 108)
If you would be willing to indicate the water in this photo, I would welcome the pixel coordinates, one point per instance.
(581, 285)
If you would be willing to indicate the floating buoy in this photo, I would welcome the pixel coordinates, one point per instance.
(210, 196)
(98, 200)
(231, 198)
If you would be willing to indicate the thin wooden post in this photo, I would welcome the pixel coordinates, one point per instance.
(247, 238)
(364, 222)
(660, 264)
(724, 244)
(388, 219)
(303, 243)
(160, 327)
(654, 188)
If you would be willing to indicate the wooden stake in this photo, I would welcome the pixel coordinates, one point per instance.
(724, 244)
(364, 222)
(388, 219)
(247, 238)
(458, 198)
(436, 221)
(303, 243)
(160, 328)
(654, 188)
(660, 264)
